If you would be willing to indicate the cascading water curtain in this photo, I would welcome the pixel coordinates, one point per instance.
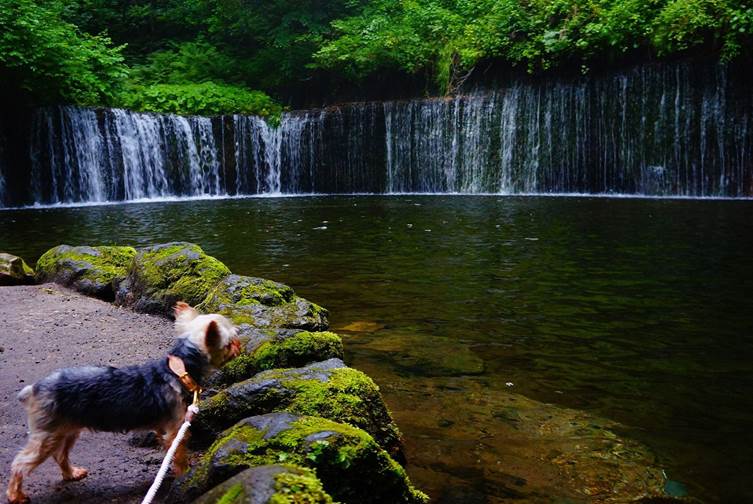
(665, 129)
(654, 130)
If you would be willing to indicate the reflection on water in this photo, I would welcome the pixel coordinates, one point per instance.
(635, 310)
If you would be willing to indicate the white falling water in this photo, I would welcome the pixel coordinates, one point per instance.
(141, 145)
(653, 130)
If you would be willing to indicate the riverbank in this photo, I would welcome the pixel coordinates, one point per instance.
(46, 327)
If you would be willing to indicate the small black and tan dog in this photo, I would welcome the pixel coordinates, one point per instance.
(153, 396)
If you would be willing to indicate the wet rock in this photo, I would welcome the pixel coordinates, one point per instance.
(14, 270)
(260, 303)
(427, 356)
(350, 464)
(326, 389)
(521, 448)
(94, 271)
(162, 274)
(269, 484)
(362, 326)
(286, 348)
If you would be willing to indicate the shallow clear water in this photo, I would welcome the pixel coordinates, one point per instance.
(636, 310)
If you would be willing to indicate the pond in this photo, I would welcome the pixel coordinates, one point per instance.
(635, 310)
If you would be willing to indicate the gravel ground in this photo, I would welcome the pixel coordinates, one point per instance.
(46, 327)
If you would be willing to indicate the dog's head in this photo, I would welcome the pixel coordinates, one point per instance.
(213, 334)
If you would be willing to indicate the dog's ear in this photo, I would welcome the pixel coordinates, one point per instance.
(183, 315)
(213, 338)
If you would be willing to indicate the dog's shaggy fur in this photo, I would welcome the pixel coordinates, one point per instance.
(146, 397)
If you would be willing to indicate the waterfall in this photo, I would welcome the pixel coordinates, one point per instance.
(650, 131)
(675, 129)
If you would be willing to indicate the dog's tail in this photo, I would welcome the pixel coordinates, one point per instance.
(25, 393)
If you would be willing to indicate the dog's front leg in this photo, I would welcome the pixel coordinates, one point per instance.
(180, 460)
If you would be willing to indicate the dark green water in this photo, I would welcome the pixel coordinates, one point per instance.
(637, 310)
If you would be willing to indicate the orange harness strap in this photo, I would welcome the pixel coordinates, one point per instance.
(177, 366)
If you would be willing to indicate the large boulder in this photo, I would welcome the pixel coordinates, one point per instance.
(14, 270)
(94, 271)
(350, 464)
(162, 274)
(269, 484)
(326, 389)
(279, 348)
(259, 303)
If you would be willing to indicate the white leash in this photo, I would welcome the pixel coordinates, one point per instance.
(192, 410)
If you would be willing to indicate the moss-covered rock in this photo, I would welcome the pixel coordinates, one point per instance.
(162, 274)
(14, 270)
(350, 464)
(260, 303)
(285, 348)
(269, 484)
(94, 271)
(326, 389)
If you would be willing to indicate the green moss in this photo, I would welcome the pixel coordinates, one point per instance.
(183, 269)
(336, 392)
(298, 350)
(348, 396)
(262, 303)
(239, 291)
(163, 274)
(232, 495)
(92, 270)
(284, 352)
(305, 488)
(352, 467)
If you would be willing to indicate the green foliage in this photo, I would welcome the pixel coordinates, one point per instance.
(448, 37)
(205, 98)
(185, 63)
(51, 59)
(205, 56)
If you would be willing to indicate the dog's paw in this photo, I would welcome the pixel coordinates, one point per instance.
(18, 498)
(77, 473)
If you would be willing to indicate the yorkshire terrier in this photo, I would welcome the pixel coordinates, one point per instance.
(150, 397)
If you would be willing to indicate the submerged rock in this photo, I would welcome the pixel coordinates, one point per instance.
(362, 326)
(326, 389)
(350, 464)
(268, 349)
(269, 484)
(162, 274)
(94, 271)
(261, 303)
(519, 448)
(14, 270)
(427, 356)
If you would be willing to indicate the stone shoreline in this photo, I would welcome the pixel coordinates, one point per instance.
(287, 415)
(287, 421)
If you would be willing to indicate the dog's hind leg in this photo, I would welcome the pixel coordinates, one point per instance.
(61, 455)
(38, 448)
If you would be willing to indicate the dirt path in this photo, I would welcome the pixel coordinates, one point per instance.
(46, 327)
